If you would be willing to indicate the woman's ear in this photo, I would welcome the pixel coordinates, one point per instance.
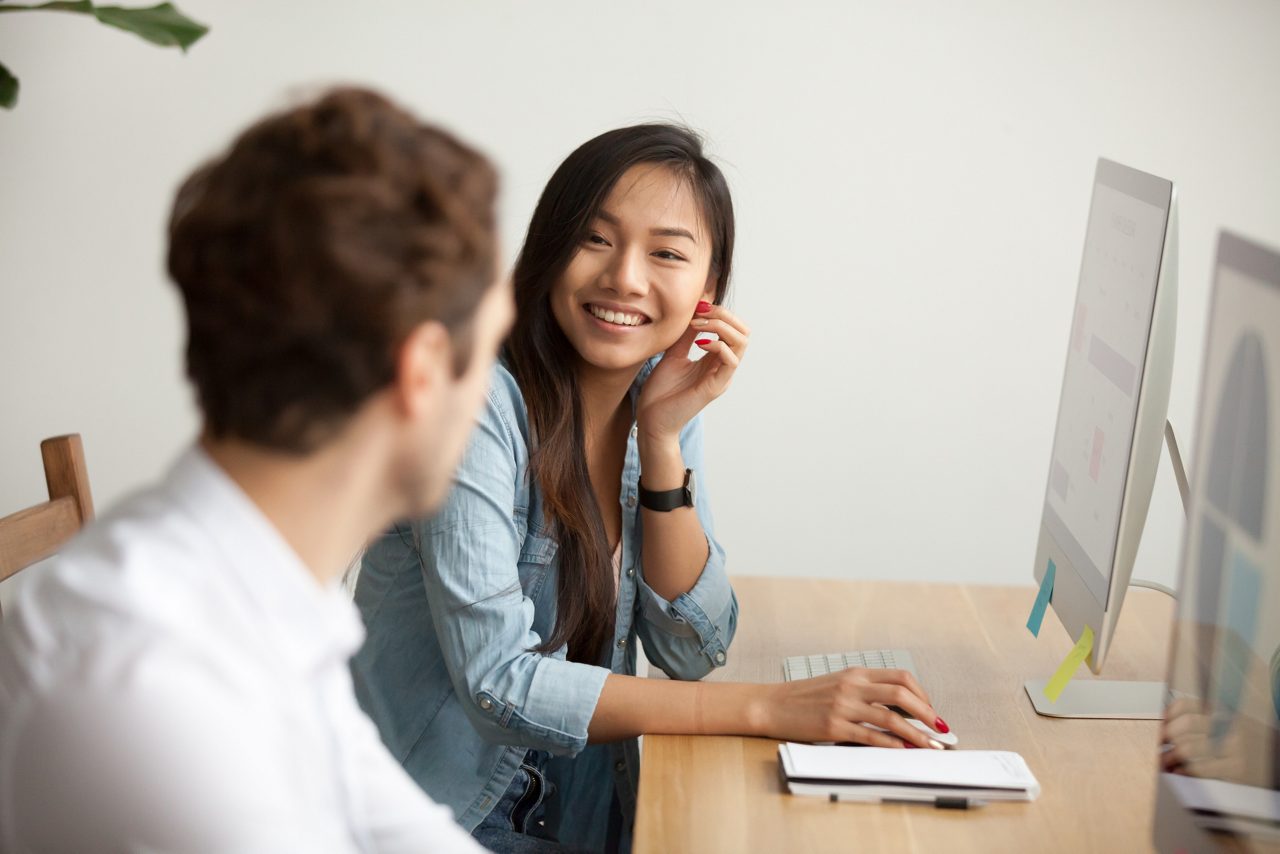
(709, 292)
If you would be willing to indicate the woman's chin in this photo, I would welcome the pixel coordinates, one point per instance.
(613, 358)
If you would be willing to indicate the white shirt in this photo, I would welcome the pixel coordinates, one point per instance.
(176, 680)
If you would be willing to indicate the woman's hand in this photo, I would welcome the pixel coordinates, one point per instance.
(1238, 749)
(679, 388)
(838, 707)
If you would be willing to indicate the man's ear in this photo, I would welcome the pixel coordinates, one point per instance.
(424, 365)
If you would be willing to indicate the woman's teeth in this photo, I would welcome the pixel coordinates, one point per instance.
(616, 317)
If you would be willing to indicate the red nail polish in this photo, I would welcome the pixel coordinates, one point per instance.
(907, 744)
(708, 341)
(941, 726)
(703, 306)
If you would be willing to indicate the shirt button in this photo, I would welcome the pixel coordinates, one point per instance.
(619, 766)
(631, 501)
(631, 573)
(486, 703)
(622, 643)
(719, 658)
(634, 430)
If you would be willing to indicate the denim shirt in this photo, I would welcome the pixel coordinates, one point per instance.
(453, 605)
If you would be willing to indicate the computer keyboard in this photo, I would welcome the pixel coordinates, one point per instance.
(806, 666)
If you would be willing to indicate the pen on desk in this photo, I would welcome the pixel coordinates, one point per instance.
(958, 803)
(942, 803)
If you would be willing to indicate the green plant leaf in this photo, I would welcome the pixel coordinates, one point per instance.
(163, 24)
(8, 89)
(84, 7)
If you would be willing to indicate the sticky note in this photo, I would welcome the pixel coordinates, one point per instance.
(1043, 598)
(1069, 665)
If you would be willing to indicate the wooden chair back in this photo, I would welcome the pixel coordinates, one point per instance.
(31, 535)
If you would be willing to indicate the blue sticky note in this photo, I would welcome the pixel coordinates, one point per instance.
(1042, 601)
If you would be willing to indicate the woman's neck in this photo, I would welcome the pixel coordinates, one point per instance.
(604, 396)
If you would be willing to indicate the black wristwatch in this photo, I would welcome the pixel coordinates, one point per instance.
(670, 499)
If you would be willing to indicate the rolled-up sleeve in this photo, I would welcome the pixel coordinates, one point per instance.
(690, 636)
(470, 555)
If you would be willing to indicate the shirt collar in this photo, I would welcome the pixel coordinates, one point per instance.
(637, 385)
(311, 625)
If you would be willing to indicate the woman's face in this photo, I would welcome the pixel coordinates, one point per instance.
(630, 290)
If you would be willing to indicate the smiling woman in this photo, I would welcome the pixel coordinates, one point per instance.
(632, 271)
(501, 654)
(624, 208)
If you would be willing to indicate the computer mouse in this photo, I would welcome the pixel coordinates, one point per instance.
(947, 739)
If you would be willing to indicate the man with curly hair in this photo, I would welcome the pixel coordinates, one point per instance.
(177, 679)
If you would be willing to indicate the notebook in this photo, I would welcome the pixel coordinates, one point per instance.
(839, 772)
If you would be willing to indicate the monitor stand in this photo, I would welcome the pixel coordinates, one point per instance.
(1108, 698)
(1101, 698)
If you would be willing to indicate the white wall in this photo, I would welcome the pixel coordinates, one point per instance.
(912, 181)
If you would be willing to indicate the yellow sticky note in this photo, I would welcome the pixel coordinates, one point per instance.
(1070, 665)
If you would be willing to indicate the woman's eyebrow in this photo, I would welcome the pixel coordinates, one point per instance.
(661, 231)
(672, 232)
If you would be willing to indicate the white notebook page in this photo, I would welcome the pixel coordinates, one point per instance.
(978, 769)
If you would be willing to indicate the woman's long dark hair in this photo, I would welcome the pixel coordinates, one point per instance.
(544, 361)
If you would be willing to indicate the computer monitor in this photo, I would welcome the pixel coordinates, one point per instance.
(1219, 778)
(1111, 420)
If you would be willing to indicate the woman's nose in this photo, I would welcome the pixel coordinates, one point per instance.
(627, 275)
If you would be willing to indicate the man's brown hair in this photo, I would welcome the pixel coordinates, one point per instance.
(308, 252)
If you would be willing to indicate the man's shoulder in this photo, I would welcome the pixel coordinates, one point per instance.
(149, 543)
(143, 570)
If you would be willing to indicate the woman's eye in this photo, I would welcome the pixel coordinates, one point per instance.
(597, 240)
(667, 255)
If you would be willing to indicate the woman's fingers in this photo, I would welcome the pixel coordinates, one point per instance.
(728, 326)
(1191, 749)
(897, 677)
(719, 312)
(897, 695)
(728, 333)
(895, 724)
(859, 734)
(1184, 725)
(852, 705)
(1175, 757)
(720, 374)
(721, 350)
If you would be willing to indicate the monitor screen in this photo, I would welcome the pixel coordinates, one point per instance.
(1115, 300)
(1220, 750)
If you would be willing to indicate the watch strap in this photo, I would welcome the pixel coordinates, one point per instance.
(666, 500)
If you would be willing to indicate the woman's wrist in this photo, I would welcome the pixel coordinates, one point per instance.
(661, 462)
(758, 711)
(656, 438)
(734, 708)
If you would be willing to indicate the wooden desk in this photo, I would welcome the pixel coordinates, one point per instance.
(972, 651)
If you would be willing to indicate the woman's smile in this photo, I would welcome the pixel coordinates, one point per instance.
(615, 318)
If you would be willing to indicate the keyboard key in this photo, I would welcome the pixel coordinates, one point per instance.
(804, 667)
